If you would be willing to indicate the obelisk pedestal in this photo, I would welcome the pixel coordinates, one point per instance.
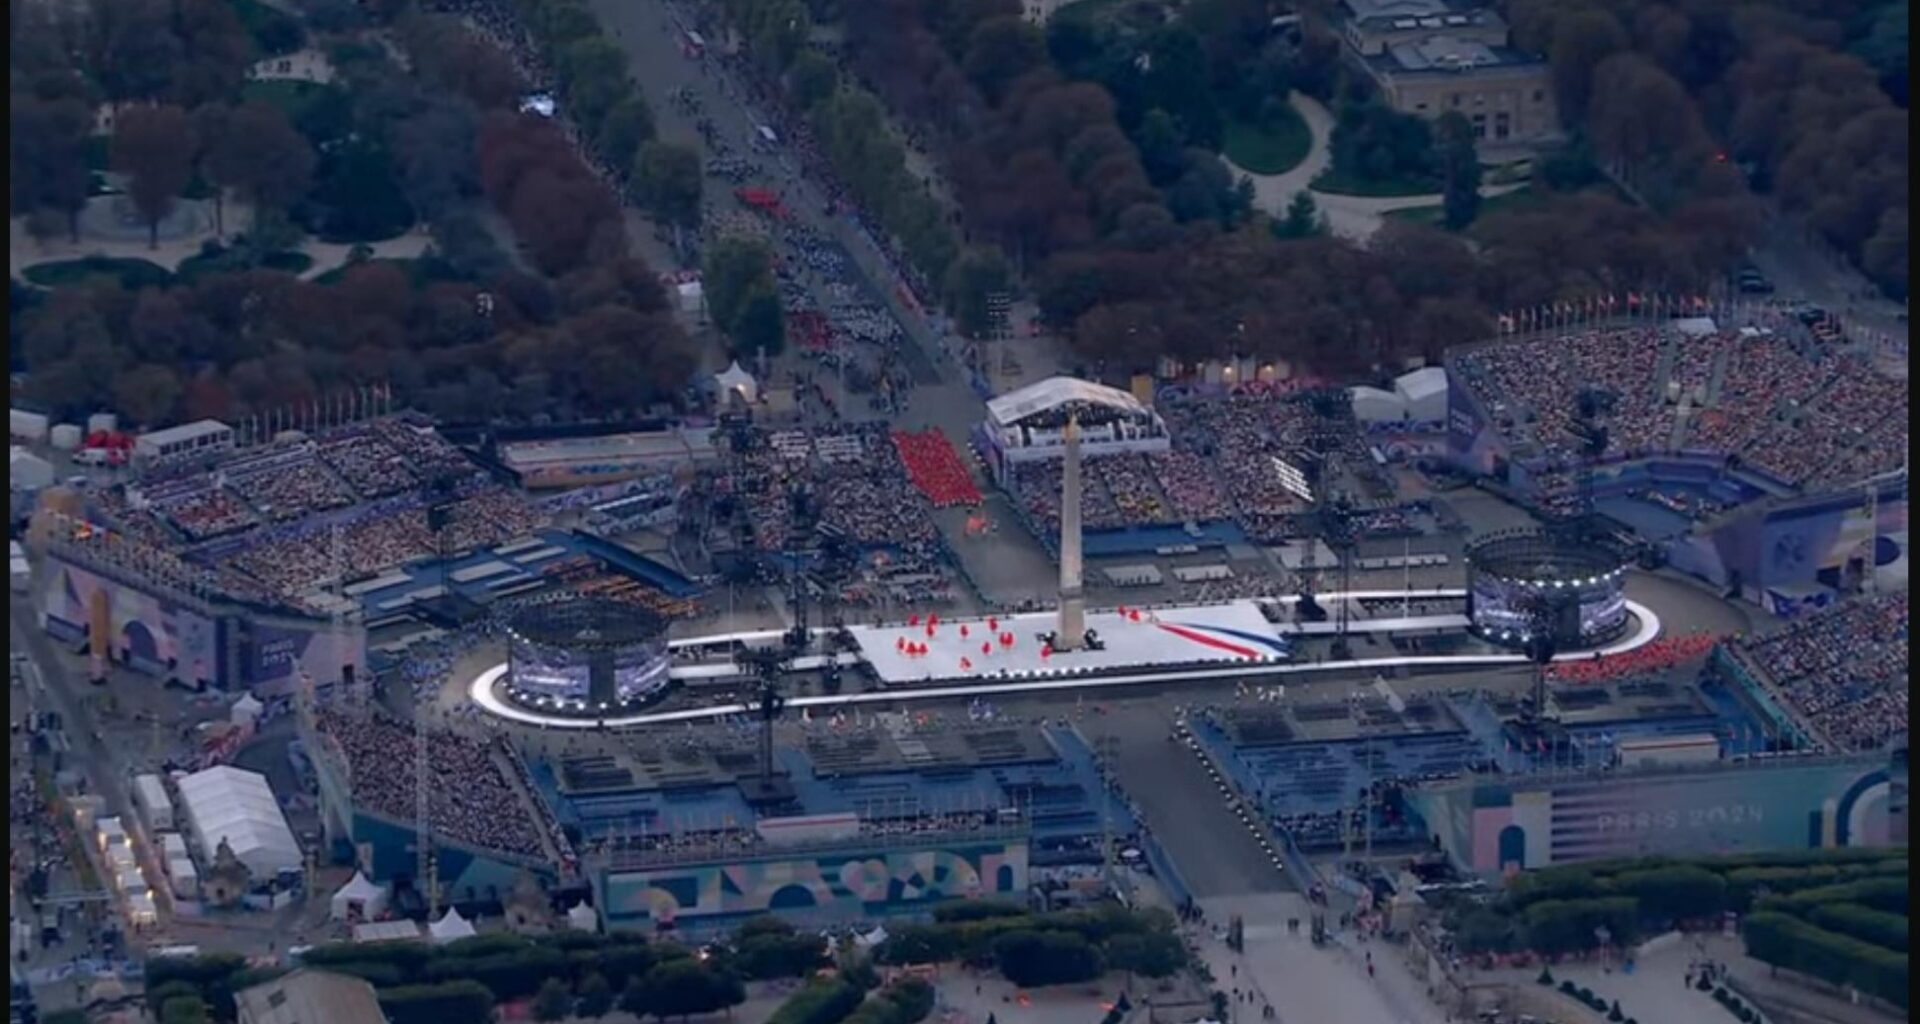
(1072, 632)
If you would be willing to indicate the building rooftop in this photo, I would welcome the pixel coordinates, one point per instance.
(1442, 54)
(1057, 391)
(310, 997)
(1369, 10)
(185, 432)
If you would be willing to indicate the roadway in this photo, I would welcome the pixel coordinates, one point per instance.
(651, 32)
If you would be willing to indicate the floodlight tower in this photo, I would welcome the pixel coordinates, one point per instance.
(426, 869)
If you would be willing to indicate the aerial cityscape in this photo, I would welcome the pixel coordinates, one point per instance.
(964, 511)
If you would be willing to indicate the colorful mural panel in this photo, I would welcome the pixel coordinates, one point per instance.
(848, 885)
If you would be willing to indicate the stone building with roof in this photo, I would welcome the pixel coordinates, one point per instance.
(1428, 57)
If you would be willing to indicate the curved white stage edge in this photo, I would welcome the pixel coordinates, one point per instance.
(481, 689)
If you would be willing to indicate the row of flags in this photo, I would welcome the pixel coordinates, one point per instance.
(1609, 304)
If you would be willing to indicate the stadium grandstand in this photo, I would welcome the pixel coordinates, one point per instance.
(1747, 454)
(1388, 772)
(1794, 420)
(247, 567)
(854, 483)
(1839, 674)
(941, 801)
(486, 824)
(1195, 470)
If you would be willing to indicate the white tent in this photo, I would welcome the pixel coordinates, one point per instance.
(739, 382)
(27, 471)
(246, 710)
(224, 802)
(872, 938)
(1695, 326)
(582, 918)
(690, 295)
(1372, 405)
(359, 899)
(386, 931)
(451, 927)
(1425, 393)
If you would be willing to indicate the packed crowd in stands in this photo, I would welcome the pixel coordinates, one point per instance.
(471, 798)
(269, 513)
(1812, 417)
(936, 468)
(1191, 487)
(1652, 658)
(857, 483)
(1844, 669)
(1221, 466)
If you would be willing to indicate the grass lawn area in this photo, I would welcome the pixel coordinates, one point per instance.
(290, 95)
(129, 272)
(275, 31)
(1268, 149)
(295, 263)
(1516, 199)
(421, 271)
(1335, 183)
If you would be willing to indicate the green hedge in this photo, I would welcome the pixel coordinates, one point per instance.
(1888, 931)
(822, 1002)
(907, 1001)
(1566, 926)
(455, 1002)
(1786, 941)
(1887, 895)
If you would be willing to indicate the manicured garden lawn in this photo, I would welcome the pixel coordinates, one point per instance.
(291, 262)
(1518, 198)
(292, 96)
(1268, 148)
(129, 272)
(1335, 183)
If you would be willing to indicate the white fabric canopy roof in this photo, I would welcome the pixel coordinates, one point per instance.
(450, 927)
(1054, 392)
(736, 379)
(1425, 392)
(1372, 405)
(582, 918)
(385, 931)
(359, 889)
(224, 802)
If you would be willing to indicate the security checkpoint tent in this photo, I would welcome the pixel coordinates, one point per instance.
(224, 802)
(1424, 391)
(736, 381)
(359, 899)
(450, 928)
(1372, 405)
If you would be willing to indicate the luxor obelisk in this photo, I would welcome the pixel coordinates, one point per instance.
(1072, 633)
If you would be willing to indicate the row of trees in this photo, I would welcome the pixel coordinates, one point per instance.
(1784, 940)
(1557, 910)
(1770, 87)
(1045, 949)
(462, 981)
(1140, 253)
(596, 342)
(183, 52)
(467, 334)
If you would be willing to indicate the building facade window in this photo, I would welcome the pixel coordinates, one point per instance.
(1502, 125)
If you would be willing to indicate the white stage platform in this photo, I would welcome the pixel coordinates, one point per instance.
(971, 648)
(1421, 624)
(482, 688)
